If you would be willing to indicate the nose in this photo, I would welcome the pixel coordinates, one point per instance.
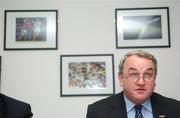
(141, 80)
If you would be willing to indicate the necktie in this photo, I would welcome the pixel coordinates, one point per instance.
(138, 113)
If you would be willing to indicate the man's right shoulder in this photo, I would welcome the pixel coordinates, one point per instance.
(108, 100)
(101, 108)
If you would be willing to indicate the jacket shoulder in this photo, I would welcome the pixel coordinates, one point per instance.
(165, 105)
(102, 108)
(16, 107)
(165, 100)
(106, 102)
(13, 102)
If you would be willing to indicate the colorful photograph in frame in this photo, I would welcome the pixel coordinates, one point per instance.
(30, 29)
(87, 75)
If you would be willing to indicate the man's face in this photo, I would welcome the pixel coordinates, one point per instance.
(138, 90)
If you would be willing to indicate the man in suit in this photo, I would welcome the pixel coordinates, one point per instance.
(137, 76)
(12, 108)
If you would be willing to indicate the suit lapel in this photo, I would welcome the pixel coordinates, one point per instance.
(158, 107)
(118, 107)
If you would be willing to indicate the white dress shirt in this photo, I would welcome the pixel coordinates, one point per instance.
(146, 109)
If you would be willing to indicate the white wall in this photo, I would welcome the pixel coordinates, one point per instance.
(85, 27)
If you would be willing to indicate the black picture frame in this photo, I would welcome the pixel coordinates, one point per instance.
(142, 27)
(30, 29)
(87, 75)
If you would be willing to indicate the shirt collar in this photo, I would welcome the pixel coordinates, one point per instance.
(130, 104)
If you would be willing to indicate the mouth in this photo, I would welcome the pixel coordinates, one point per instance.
(140, 90)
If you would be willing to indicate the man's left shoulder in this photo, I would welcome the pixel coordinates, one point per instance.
(165, 105)
(165, 100)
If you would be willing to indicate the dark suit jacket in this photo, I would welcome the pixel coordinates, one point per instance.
(114, 107)
(11, 108)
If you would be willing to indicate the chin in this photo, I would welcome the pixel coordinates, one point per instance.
(142, 98)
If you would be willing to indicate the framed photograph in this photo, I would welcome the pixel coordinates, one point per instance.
(142, 27)
(87, 75)
(30, 29)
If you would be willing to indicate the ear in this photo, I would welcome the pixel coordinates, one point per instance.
(120, 77)
(155, 80)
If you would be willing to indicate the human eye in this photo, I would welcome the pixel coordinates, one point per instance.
(148, 75)
(134, 75)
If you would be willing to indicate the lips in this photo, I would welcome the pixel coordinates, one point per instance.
(139, 90)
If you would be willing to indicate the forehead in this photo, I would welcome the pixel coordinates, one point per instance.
(138, 63)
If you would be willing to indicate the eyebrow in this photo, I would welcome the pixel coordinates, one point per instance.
(134, 69)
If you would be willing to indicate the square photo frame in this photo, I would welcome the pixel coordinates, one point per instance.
(87, 75)
(30, 29)
(142, 27)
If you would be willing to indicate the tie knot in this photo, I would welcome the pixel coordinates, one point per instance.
(138, 107)
(138, 113)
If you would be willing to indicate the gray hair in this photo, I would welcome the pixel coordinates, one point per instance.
(139, 53)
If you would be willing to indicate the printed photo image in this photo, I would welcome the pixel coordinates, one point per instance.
(142, 27)
(31, 29)
(87, 75)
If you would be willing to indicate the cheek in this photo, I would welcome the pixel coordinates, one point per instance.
(151, 86)
(153, 83)
(127, 85)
